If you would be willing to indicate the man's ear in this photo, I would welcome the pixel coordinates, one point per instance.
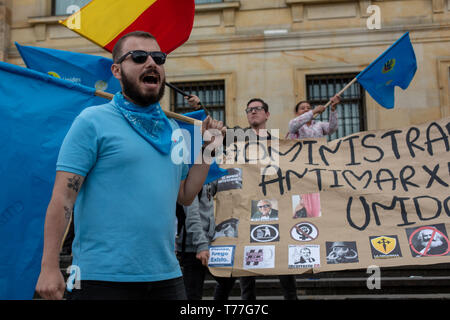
(116, 71)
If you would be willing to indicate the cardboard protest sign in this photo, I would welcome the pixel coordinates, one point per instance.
(372, 198)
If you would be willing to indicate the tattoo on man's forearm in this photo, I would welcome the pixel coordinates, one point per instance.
(67, 213)
(74, 183)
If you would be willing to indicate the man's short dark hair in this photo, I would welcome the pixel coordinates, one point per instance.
(264, 104)
(117, 50)
(298, 104)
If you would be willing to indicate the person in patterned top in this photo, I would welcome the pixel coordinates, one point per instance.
(304, 126)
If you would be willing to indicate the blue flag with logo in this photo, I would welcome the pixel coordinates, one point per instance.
(195, 143)
(36, 111)
(89, 70)
(395, 67)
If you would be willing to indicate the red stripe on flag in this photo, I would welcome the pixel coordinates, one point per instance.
(169, 21)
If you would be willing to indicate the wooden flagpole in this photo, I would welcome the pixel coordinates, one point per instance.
(187, 95)
(348, 85)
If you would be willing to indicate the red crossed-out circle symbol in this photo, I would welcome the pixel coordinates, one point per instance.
(427, 248)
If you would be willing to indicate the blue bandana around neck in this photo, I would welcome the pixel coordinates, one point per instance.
(150, 122)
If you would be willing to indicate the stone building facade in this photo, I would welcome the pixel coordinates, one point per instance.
(5, 28)
(282, 51)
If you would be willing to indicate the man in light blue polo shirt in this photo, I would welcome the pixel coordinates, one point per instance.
(115, 170)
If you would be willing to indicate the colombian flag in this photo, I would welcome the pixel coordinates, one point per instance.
(105, 21)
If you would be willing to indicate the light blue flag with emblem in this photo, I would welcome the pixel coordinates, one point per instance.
(395, 67)
(36, 111)
(89, 70)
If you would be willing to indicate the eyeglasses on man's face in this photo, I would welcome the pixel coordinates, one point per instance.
(140, 56)
(256, 109)
(265, 206)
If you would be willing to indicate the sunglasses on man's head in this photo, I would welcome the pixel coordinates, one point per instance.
(140, 56)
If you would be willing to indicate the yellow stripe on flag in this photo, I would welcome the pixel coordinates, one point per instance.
(102, 20)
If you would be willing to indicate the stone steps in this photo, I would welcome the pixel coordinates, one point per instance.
(408, 282)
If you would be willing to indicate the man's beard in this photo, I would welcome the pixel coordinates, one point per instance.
(131, 91)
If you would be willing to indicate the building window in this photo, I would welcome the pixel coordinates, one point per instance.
(351, 110)
(63, 7)
(211, 94)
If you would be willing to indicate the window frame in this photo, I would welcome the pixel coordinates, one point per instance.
(372, 109)
(195, 88)
(231, 114)
(443, 65)
(338, 81)
(53, 9)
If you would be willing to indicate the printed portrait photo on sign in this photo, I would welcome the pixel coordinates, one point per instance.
(341, 252)
(233, 180)
(428, 241)
(264, 210)
(307, 256)
(306, 205)
(227, 228)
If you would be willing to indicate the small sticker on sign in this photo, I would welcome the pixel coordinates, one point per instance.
(264, 233)
(259, 257)
(307, 256)
(221, 256)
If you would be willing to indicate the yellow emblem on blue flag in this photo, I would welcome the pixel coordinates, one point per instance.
(89, 70)
(54, 74)
(388, 66)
